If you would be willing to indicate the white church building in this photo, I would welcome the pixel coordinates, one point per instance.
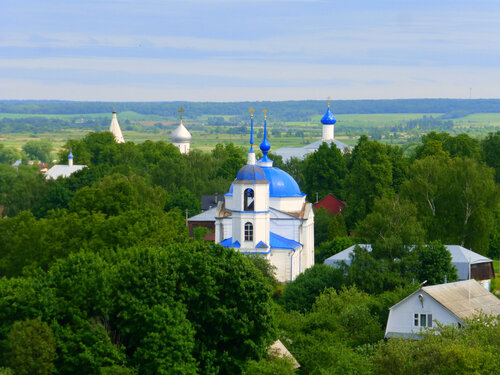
(328, 136)
(181, 137)
(265, 213)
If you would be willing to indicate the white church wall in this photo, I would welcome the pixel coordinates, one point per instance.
(288, 204)
(288, 228)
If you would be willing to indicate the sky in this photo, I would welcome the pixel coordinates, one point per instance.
(239, 50)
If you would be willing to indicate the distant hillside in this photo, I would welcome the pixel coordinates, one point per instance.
(284, 110)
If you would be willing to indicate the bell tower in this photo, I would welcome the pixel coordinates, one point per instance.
(250, 214)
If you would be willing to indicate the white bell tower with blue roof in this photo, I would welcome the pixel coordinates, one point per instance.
(265, 213)
(250, 210)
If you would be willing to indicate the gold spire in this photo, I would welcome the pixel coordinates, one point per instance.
(265, 113)
(181, 111)
(329, 102)
(251, 110)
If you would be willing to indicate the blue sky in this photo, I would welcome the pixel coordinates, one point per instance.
(232, 50)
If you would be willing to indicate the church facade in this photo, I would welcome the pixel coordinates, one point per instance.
(265, 213)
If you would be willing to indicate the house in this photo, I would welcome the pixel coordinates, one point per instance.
(481, 268)
(332, 204)
(447, 304)
(210, 201)
(205, 219)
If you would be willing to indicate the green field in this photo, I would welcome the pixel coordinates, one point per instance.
(348, 129)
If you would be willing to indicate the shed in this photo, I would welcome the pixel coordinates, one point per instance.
(480, 266)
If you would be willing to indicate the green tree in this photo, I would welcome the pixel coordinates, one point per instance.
(491, 151)
(324, 171)
(435, 264)
(40, 150)
(456, 200)
(392, 225)
(300, 294)
(332, 247)
(30, 348)
(370, 177)
(9, 155)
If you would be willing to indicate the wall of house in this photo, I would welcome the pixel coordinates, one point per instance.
(401, 317)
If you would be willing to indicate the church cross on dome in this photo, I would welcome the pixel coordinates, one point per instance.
(251, 110)
(329, 102)
(181, 111)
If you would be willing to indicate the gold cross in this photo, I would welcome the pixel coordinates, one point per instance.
(251, 110)
(265, 113)
(181, 111)
(329, 102)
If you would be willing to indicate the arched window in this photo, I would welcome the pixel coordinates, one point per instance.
(248, 200)
(248, 232)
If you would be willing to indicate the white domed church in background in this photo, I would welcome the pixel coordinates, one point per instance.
(328, 136)
(265, 213)
(181, 137)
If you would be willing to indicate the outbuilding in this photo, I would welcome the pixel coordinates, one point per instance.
(447, 304)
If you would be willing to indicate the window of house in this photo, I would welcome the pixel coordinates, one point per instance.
(248, 232)
(422, 320)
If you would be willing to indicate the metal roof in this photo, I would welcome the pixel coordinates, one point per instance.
(301, 152)
(465, 299)
(208, 215)
(62, 170)
(277, 242)
(460, 258)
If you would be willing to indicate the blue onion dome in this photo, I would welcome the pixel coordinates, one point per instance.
(281, 184)
(328, 118)
(70, 156)
(251, 173)
(265, 146)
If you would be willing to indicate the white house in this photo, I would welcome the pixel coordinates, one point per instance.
(63, 170)
(265, 213)
(447, 304)
(328, 136)
(481, 268)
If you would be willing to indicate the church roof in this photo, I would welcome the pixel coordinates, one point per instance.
(251, 173)
(301, 152)
(114, 128)
(62, 170)
(277, 242)
(181, 134)
(281, 184)
(328, 118)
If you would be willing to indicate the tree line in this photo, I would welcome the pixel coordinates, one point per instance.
(99, 275)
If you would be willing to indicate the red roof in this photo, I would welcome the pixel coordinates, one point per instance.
(332, 204)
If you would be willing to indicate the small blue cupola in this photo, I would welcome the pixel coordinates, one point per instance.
(328, 118)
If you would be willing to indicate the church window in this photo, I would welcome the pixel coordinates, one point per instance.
(248, 232)
(248, 201)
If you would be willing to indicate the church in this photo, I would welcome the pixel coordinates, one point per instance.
(180, 137)
(328, 136)
(265, 213)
